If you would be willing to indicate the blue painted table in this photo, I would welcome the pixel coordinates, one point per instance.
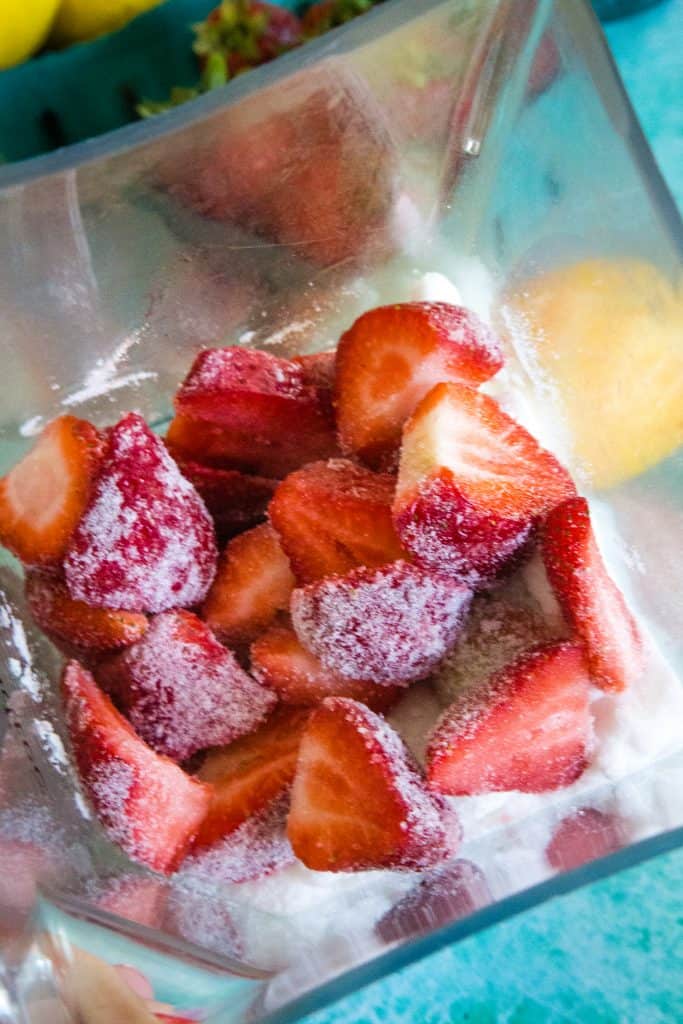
(611, 953)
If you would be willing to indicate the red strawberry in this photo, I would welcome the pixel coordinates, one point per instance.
(529, 728)
(76, 624)
(135, 897)
(253, 583)
(333, 516)
(318, 368)
(391, 357)
(144, 801)
(328, 14)
(146, 541)
(592, 603)
(279, 661)
(236, 501)
(583, 836)
(267, 418)
(358, 802)
(472, 483)
(43, 498)
(247, 33)
(181, 690)
(249, 774)
(392, 624)
(443, 895)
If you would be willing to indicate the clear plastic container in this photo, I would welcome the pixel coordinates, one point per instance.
(490, 141)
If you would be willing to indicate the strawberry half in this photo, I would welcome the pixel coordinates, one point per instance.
(333, 516)
(181, 690)
(441, 896)
(236, 501)
(591, 601)
(391, 357)
(76, 624)
(44, 496)
(146, 541)
(253, 583)
(471, 485)
(528, 729)
(280, 662)
(249, 774)
(358, 802)
(390, 625)
(145, 802)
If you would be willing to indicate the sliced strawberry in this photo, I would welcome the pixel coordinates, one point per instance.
(333, 516)
(279, 661)
(390, 625)
(253, 583)
(358, 802)
(270, 420)
(472, 483)
(145, 802)
(76, 624)
(583, 836)
(590, 600)
(318, 368)
(441, 896)
(391, 357)
(181, 690)
(249, 774)
(529, 728)
(43, 498)
(236, 501)
(146, 541)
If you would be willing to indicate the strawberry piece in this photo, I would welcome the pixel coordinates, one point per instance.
(390, 625)
(358, 801)
(391, 357)
(279, 661)
(249, 774)
(529, 729)
(472, 483)
(181, 690)
(591, 601)
(583, 836)
(247, 33)
(145, 802)
(318, 369)
(441, 896)
(43, 498)
(236, 501)
(270, 421)
(333, 516)
(134, 897)
(75, 624)
(253, 583)
(325, 15)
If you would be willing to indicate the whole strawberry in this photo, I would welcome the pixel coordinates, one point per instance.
(245, 33)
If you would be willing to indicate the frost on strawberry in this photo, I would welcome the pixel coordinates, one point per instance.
(443, 895)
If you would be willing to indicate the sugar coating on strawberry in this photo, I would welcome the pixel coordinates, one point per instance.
(137, 898)
(583, 836)
(443, 895)
(181, 690)
(529, 728)
(146, 542)
(390, 624)
(590, 600)
(203, 916)
(358, 801)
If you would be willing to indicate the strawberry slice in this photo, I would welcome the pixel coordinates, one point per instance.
(390, 625)
(249, 774)
(441, 896)
(583, 836)
(358, 801)
(236, 501)
(266, 418)
(590, 600)
(333, 516)
(145, 802)
(74, 624)
(318, 369)
(253, 583)
(43, 498)
(472, 483)
(279, 661)
(146, 541)
(181, 690)
(391, 357)
(528, 729)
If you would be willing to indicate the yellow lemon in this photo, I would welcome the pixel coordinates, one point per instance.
(609, 337)
(78, 20)
(24, 25)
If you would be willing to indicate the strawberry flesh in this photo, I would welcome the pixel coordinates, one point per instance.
(358, 801)
(441, 896)
(529, 728)
(236, 501)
